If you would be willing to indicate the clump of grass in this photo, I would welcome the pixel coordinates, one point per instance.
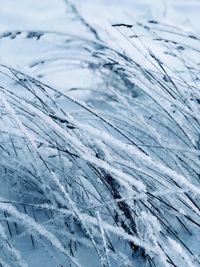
(118, 173)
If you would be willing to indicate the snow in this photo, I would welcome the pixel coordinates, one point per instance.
(99, 133)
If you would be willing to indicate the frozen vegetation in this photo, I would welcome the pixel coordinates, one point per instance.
(99, 133)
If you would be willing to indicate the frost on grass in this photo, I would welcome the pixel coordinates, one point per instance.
(110, 167)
